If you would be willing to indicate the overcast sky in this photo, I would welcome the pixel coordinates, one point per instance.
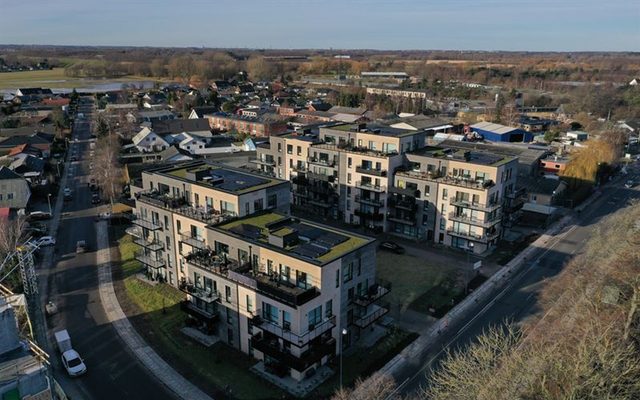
(557, 25)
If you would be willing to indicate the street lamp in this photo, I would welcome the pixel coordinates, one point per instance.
(344, 333)
(49, 201)
(469, 252)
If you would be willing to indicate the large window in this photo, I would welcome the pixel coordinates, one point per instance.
(348, 273)
(315, 317)
(301, 280)
(270, 312)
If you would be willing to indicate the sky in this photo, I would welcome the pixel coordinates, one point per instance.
(540, 25)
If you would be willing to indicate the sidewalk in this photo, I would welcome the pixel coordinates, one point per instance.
(181, 387)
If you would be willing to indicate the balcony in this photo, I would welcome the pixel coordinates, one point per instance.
(374, 216)
(371, 171)
(474, 221)
(371, 315)
(265, 161)
(315, 331)
(300, 180)
(487, 237)
(321, 177)
(375, 293)
(206, 295)
(150, 261)
(142, 222)
(324, 203)
(180, 206)
(195, 242)
(465, 203)
(405, 191)
(299, 168)
(271, 347)
(404, 204)
(193, 310)
(326, 190)
(151, 245)
(370, 186)
(321, 161)
(370, 201)
(402, 220)
(467, 182)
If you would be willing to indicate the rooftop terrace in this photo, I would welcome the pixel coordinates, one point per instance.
(297, 238)
(372, 129)
(219, 177)
(470, 156)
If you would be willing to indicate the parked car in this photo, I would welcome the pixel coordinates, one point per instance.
(629, 184)
(38, 216)
(81, 246)
(46, 241)
(73, 363)
(392, 246)
(73, 157)
(95, 198)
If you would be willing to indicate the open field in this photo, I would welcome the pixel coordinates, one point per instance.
(56, 79)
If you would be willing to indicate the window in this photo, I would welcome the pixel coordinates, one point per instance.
(285, 273)
(349, 177)
(348, 205)
(299, 150)
(445, 194)
(270, 313)
(272, 201)
(227, 293)
(348, 273)
(258, 205)
(328, 309)
(359, 263)
(301, 280)
(427, 190)
(269, 267)
(229, 316)
(349, 162)
(286, 320)
(247, 209)
(338, 278)
(315, 317)
(350, 294)
(249, 304)
(279, 147)
(166, 222)
(168, 240)
(230, 336)
(442, 224)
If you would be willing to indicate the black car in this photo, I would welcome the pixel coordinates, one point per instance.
(38, 216)
(392, 246)
(95, 198)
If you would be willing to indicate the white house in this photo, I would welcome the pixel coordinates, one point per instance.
(147, 141)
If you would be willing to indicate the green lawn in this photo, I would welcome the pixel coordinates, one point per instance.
(218, 366)
(410, 276)
(54, 78)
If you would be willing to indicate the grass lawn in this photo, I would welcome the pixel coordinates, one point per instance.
(410, 276)
(159, 318)
(363, 362)
(54, 78)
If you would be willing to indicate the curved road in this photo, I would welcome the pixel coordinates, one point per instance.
(113, 372)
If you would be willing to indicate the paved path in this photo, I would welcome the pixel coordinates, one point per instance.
(181, 387)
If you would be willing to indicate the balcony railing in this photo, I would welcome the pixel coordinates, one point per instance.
(150, 261)
(284, 292)
(321, 189)
(299, 168)
(204, 294)
(405, 191)
(370, 201)
(374, 313)
(180, 206)
(320, 177)
(152, 245)
(467, 182)
(271, 347)
(474, 221)
(371, 171)
(474, 206)
(375, 216)
(324, 203)
(265, 161)
(195, 242)
(299, 340)
(200, 313)
(402, 220)
(487, 237)
(319, 161)
(406, 204)
(142, 222)
(375, 292)
(370, 186)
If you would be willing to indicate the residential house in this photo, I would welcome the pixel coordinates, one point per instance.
(33, 91)
(147, 141)
(200, 112)
(261, 126)
(174, 154)
(14, 190)
(151, 116)
(554, 164)
(41, 142)
(196, 126)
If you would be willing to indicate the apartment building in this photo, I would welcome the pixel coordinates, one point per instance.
(175, 204)
(346, 169)
(284, 289)
(452, 196)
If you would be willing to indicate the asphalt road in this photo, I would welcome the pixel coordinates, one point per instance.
(113, 372)
(519, 300)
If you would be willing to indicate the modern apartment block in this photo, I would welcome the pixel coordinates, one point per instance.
(452, 196)
(276, 287)
(176, 203)
(346, 170)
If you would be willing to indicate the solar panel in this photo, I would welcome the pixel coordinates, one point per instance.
(310, 250)
(331, 239)
(247, 230)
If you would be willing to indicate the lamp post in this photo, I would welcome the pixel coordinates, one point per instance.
(49, 201)
(343, 334)
(466, 291)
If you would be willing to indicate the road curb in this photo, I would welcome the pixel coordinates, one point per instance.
(181, 388)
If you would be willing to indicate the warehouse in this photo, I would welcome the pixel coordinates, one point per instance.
(501, 133)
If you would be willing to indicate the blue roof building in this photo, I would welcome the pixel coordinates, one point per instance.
(501, 133)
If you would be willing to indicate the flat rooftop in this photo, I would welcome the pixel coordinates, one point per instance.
(465, 155)
(372, 129)
(305, 240)
(219, 177)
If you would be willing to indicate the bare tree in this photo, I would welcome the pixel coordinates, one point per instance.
(376, 387)
(108, 171)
